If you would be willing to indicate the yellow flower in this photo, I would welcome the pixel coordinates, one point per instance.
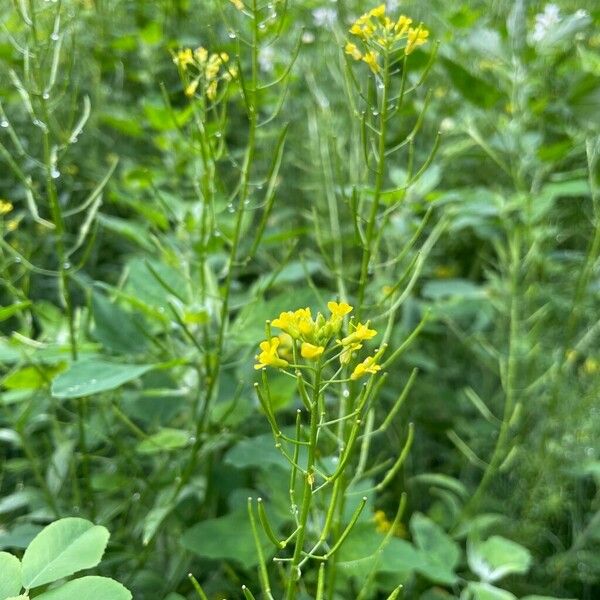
(311, 351)
(201, 55)
(353, 51)
(360, 333)
(416, 37)
(591, 366)
(269, 357)
(238, 4)
(339, 309)
(5, 207)
(184, 58)
(378, 11)
(348, 352)
(212, 67)
(297, 323)
(286, 344)
(211, 90)
(371, 59)
(191, 88)
(366, 366)
(402, 25)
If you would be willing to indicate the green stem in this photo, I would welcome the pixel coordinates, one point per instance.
(308, 489)
(379, 179)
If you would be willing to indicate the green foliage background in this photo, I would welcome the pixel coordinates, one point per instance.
(505, 232)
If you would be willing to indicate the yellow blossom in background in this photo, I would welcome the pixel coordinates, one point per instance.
(201, 55)
(416, 37)
(383, 525)
(190, 90)
(591, 366)
(211, 90)
(269, 357)
(353, 51)
(367, 366)
(371, 59)
(238, 4)
(5, 207)
(311, 351)
(184, 58)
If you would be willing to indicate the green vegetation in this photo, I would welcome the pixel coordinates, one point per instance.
(298, 303)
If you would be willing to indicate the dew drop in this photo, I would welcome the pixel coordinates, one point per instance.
(66, 267)
(346, 393)
(230, 208)
(54, 37)
(232, 35)
(4, 123)
(55, 173)
(45, 95)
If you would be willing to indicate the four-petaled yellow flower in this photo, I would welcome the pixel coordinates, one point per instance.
(339, 309)
(311, 351)
(269, 357)
(366, 366)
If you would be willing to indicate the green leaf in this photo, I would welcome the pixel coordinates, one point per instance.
(496, 557)
(485, 591)
(10, 575)
(61, 549)
(228, 538)
(115, 328)
(90, 588)
(257, 451)
(439, 551)
(19, 537)
(92, 376)
(164, 441)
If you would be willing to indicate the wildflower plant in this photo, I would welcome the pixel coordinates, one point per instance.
(337, 377)
(385, 44)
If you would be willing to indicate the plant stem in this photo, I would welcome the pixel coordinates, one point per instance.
(379, 179)
(307, 491)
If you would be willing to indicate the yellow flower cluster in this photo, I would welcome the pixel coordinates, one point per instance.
(209, 69)
(313, 337)
(380, 33)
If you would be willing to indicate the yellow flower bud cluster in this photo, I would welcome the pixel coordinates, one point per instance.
(204, 70)
(313, 337)
(379, 33)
